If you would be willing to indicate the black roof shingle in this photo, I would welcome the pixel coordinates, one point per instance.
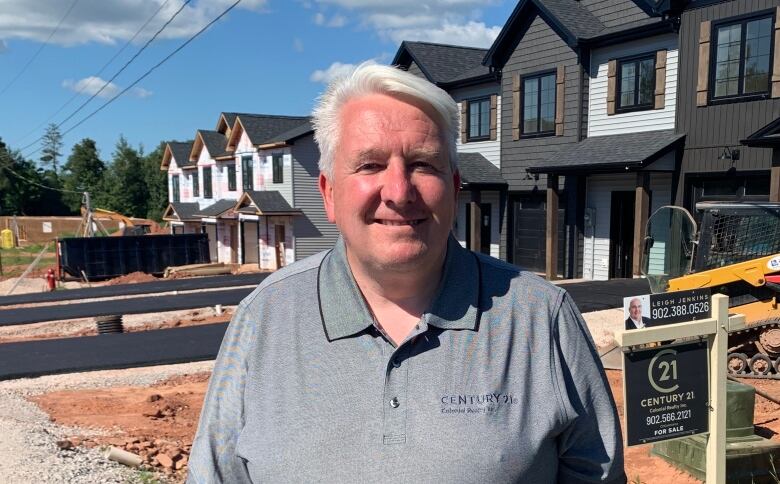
(216, 209)
(270, 201)
(185, 211)
(609, 153)
(181, 152)
(214, 141)
(262, 128)
(475, 169)
(443, 63)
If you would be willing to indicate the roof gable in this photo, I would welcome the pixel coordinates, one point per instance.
(213, 141)
(571, 20)
(567, 18)
(263, 128)
(179, 151)
(264, 202)
(443, 63)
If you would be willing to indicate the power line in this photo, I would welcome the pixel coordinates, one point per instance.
(105, 84)
(110, 61)
(152, 69)
(32, 182)
(7, 86)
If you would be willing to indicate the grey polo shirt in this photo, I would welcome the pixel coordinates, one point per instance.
(499, 382)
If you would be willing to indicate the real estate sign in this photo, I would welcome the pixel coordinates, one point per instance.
(650, 310)
(666, 392)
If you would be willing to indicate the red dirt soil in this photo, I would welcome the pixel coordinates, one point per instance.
(131, 414)
(131, 278)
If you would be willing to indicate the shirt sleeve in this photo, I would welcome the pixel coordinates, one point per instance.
(591, 446)
(213, 457)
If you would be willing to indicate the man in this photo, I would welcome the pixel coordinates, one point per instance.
(399, 356)
(635, 319)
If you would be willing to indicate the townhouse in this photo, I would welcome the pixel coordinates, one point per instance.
(476, 88)
(729, 101)
(589, 91)
(251, 185)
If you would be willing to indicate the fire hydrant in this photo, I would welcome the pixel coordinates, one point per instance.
(51, 280)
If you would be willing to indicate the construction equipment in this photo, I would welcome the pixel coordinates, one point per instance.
(91, 220)
(735, 251)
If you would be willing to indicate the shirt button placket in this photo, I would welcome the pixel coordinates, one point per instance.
(395, 397)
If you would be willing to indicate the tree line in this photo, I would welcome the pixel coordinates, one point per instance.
(130, 183)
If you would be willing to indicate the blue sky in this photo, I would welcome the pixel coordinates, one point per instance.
(266, 56)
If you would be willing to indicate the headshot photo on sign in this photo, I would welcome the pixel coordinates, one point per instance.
(635, 309)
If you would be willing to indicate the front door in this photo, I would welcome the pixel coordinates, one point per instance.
(279, 245)
(621, 235)
(484, 228)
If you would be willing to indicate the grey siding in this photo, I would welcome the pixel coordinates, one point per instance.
(415, 69)
(313, 232)
(540, 49)
(614, 12)
(711, 128)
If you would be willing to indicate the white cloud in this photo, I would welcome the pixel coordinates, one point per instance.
(108, 21)
(90, 86)
(140, 92)
(335, 21)
(443, 21)
(475, 34)
(297, 44)
(336, 70)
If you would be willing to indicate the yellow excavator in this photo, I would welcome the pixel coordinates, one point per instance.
(129, 226)
(734, 250)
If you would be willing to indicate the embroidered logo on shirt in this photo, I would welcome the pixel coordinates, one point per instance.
(476, 404)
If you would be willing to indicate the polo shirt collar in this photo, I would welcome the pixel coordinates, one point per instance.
(344, 311)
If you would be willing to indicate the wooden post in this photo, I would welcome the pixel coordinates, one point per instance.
(774, 179)
(641, 210)
(475, 234)
(551, 244)
(716, 442)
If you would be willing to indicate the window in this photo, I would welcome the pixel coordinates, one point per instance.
(278, 166)
(478, 120)
(247, 181)
(207, 182)
(175, 187)
(743, 51)
(636, 83)
(195, 184)
(539, 105)
(231, 172)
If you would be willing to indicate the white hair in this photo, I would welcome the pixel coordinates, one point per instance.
(369, 78)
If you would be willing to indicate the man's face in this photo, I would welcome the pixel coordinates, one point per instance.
(392, 193)
(635, 309)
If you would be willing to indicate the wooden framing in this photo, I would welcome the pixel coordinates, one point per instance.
(641, 212)
(551, 242)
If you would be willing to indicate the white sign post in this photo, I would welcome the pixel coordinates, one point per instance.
(716, 330)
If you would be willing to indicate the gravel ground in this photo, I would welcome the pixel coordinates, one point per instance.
(28, 444)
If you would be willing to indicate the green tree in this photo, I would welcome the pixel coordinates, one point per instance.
(52, 144)
(126, 187)
(84, 171)
(156, 183)
(20, 183)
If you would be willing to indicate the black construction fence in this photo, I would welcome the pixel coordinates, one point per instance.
(105, 257)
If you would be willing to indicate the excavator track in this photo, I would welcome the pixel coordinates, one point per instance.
(754, 351)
